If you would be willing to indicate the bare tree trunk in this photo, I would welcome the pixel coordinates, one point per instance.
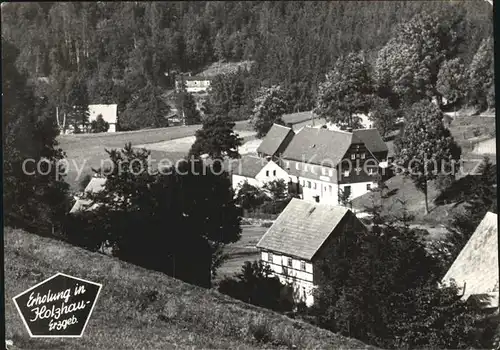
(426, 199)
(77, 55)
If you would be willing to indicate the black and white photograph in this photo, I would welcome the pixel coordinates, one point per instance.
(249, 175)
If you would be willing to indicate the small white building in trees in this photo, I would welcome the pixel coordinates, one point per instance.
(109, 113)
(193, 84)
(301, 239)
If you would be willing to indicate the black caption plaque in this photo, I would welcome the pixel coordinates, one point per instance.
(59, 307)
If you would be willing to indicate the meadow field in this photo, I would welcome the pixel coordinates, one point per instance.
(85, 152)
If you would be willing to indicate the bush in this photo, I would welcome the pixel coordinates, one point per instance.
(254, 285)
(274, 207)
(250, 197)
(260, 329)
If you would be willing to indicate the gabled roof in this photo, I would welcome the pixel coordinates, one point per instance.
(108, 112)
(317, 146)
(247, 166)
(95, 185)
(372, 139)
(274, 139)
(302, 228)
(477, 264)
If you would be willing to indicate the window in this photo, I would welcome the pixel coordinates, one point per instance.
(353, 156)
(363, 155)
(270, 258)
(331, 172)
(371, 171)
(303, 183)
(274, 172)
(314, 185)
(288, 165)
(346, 173)
(330, 188)
(303, 265)
(305, 168)
(289, 262)
(297, 166)
(368, 187)
(323, 171)
(308, 184)
(267, 172)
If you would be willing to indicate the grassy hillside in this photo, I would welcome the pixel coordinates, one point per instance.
(402, 190)
(125, 318)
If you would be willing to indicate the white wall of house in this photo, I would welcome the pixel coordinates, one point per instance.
(326, 191)
(238, 181)
(271, 172)
(292, 270)
(358, 189)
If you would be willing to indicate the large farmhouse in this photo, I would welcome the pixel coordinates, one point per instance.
(475, 270)
(324, 163)
(301, 238)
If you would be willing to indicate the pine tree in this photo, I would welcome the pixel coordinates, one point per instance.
(35, 194)
(217, 139)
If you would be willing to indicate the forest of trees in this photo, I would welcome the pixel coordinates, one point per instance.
(121, 51)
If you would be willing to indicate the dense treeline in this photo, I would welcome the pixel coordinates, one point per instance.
(118, 49)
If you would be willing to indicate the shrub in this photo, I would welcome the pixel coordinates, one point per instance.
(260, 329)
(254, 285)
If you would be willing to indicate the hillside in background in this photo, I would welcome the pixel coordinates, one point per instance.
(138, 308)
(292, 43)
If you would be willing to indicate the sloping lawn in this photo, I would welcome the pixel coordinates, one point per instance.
(402, 190)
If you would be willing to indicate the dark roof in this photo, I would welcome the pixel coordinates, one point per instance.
(372, 140)
(317, 146)
(274, 138)
(247, 166)
(298, 117)
(302, 228)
